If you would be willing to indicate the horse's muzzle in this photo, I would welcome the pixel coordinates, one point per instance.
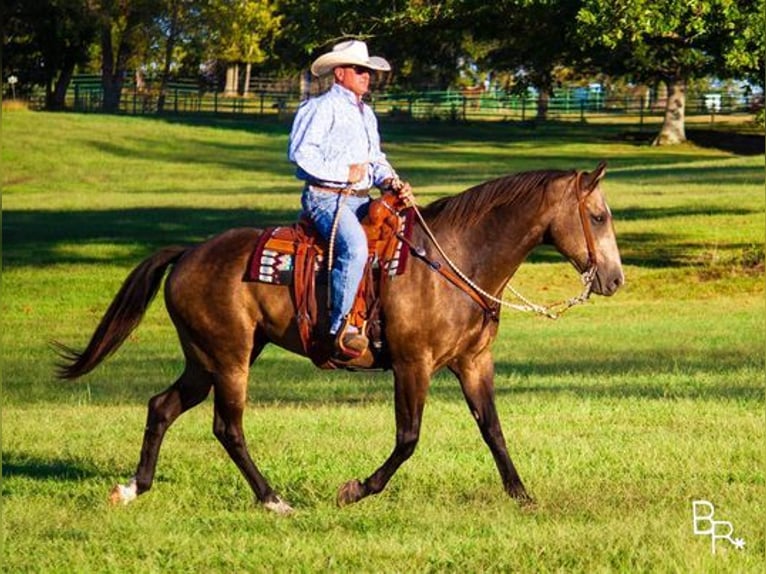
(607, 283)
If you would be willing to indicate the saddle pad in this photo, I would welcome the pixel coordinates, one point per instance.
(273, 259)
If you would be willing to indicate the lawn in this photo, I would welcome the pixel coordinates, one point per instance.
(618, 415)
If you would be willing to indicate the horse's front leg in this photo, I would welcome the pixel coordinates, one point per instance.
(410, 389)
(476, 376)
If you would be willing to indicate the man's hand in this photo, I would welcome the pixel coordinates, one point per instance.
(403, 191)
(357, 172)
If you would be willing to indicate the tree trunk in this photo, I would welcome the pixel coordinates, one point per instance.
(232, 80)
(110, 87)
(56, 99)
(169, 47)
(248, 70)
(114, 69)
(543, 99)
(673, 129)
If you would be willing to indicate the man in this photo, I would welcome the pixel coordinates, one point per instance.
(335, 145)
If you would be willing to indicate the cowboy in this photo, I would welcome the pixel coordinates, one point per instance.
(335, 145)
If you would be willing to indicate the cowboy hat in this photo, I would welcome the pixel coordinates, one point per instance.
(348, 53)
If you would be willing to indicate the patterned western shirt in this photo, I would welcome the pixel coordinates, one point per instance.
(332, 131)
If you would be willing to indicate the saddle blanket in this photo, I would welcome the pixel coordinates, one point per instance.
(273, 259)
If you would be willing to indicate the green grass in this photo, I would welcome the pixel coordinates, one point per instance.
(617, 416)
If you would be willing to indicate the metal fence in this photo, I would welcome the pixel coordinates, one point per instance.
(186, 97)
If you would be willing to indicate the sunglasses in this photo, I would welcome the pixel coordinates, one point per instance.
(359, 69)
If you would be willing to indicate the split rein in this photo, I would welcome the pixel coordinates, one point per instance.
(552, 311)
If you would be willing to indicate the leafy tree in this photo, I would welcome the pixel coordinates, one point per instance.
(745, 56)
(310, 28)
(19, 53)
(49, 39)
(531, 39)
(242, 31)
(176, 28)
(430, 42)
(122, 25)
(418, 37)
(671, 42)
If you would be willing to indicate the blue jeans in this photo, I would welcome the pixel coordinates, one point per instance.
(350, 253)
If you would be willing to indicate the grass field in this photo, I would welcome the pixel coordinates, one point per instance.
(618, 415)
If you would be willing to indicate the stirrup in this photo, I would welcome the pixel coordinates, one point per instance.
(350, 345)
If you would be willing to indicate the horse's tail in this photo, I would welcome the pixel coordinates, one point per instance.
(122, 317)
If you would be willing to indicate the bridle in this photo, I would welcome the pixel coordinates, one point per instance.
(587, 229)
(488, 301)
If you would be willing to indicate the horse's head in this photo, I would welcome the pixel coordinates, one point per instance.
(582, 230)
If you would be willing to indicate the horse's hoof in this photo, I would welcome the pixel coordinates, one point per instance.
(123, 494)
(525, 502)
(278, 506)
(351, 492)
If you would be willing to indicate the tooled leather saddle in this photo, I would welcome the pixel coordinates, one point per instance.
(296, 256)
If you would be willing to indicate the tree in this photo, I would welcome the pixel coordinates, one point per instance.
(745, 56)
(418, 37)
(429, 41)
(50, 39)
(531, 39)
(243, 30)
(122, 28)
(670, 42)
(177, 27)
(19, 54)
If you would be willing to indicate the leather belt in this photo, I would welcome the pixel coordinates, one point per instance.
(343, 190)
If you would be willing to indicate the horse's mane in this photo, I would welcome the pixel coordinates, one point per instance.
(471, 205)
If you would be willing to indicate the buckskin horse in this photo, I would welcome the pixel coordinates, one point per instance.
(429, 322)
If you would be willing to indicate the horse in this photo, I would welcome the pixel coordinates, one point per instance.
(430, 323)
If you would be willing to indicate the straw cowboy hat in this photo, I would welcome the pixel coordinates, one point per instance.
(348, 53)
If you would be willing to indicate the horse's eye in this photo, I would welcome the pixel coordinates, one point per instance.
(598, 218)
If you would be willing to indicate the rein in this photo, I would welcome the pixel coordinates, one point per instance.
(552, 311)
(344, 193)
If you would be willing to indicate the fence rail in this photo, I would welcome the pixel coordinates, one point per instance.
(181, 97)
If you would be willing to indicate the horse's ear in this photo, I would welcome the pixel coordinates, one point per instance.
(590, 180)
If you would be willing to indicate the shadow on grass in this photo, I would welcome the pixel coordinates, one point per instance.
(460, 153)
(40, 238)
(36, 237)
(659, 172)
(20, 464)
(262, 160)
(132, 377)
(501, 131)
(419, 131)
(737, 143)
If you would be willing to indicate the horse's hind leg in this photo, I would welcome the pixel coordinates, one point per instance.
(189, 390)
(230, 399)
